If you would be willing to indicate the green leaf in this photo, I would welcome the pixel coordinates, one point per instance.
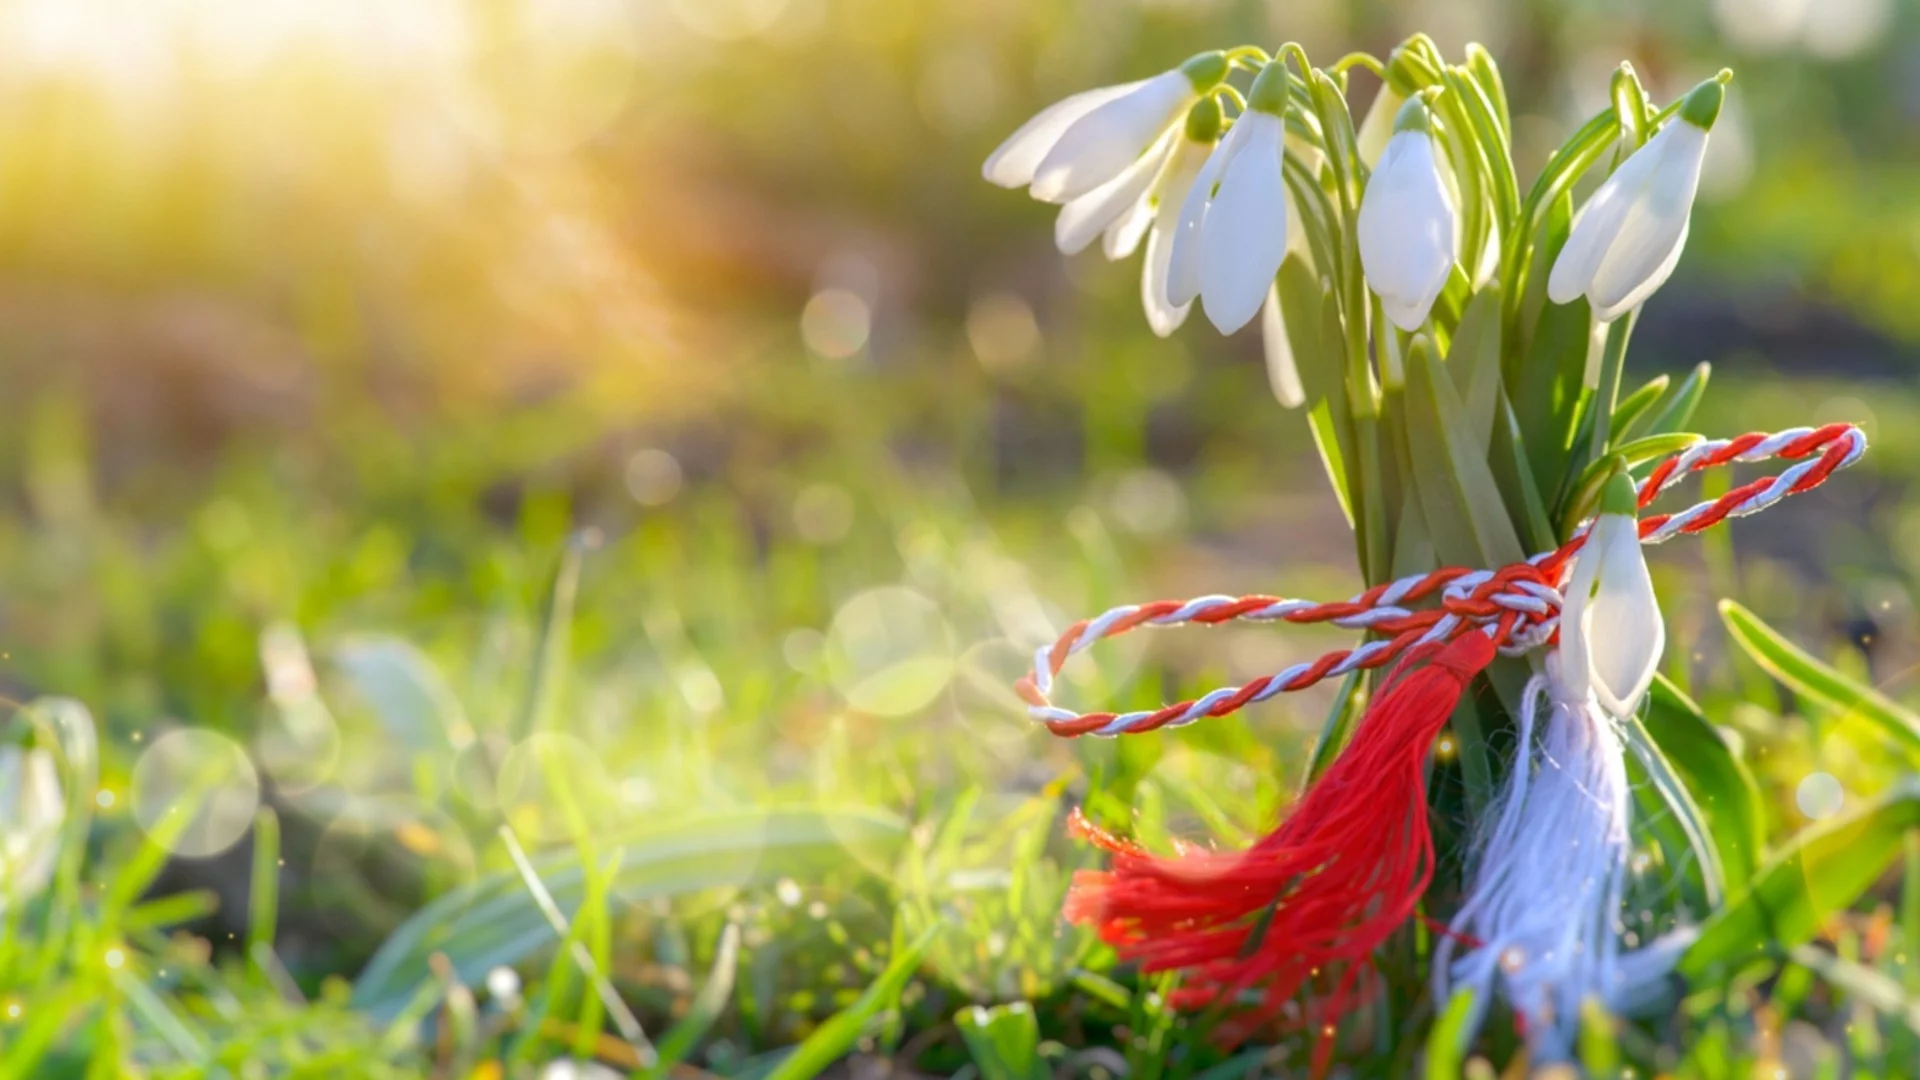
(1599, 1044)
(1508, 457)
(1811, 678)
(1586, 493)
(1447, 1042)
(495, 921)
(1685, 813)
(1679, 412)
(1823, 871)
(837, 1037)
(1004, 1041)
(1633, 406)
(1549, 375)
(1474, 363)
(1722, 787)
(1308, 312)
(1465, 515)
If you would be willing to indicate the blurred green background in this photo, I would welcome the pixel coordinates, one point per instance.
(335, 338)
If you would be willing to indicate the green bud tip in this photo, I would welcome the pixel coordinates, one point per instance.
(1204, 121)
(1701, 106)
(1416, 114)
(1206, 70)
(1268, 94)
(1619, 497)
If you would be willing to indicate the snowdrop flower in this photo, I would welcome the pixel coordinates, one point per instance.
(32, 809)
(1080, 143)
(1628, 237)
(1232, 233)
(1407, 228)
(1611, 633)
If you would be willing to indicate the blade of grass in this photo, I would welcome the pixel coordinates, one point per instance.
(1813, 679)
(706, 1008)
(837, 1037)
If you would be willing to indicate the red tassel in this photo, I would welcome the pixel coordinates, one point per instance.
(1345, 869)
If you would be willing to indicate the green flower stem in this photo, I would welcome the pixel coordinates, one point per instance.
(1359, 59)
(1573, 158)
(1486, 74)
(1468, 171)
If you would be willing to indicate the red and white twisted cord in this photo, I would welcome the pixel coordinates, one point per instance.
(1518, 606)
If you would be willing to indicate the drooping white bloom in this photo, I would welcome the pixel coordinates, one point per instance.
(32, 809)
(1232, 234)
(1407, 227)
(1629, 236)
(1170, 193)
(1087, 140)
(1611, 633)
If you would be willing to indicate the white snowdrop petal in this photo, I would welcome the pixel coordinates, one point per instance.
(1097, 146)
(1282, 374)
(1011, 165)
(1123, 237)
(1607, 308)
(1625, 632)
(1597, 223)
(1183, 275)
(1244, 237)
(1169, 198)
(1087, 216)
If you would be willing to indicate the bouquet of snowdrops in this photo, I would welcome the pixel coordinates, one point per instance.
(1456, 338)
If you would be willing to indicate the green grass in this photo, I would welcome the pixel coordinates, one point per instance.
(776, 801)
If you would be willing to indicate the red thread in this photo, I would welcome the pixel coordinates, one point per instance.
(1340, 874)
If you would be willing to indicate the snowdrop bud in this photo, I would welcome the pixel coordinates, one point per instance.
(1629, 236)
(32, 809)
(1611, 633)
(1407, 225)
(1098, 145)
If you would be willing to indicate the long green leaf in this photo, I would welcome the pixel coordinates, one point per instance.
(1824, 870)
(495, 921)
(1686, 814)
(1447, 1042)
(1465, 515)
(834, 1039)
(1721, 786)
(1473, 361)
(1679, 412)
(1811, 678)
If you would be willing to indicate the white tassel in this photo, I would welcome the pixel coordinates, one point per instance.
(1541, 916)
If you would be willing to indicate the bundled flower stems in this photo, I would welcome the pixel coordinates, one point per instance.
(1457, 342)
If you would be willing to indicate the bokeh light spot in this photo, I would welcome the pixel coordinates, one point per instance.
(1819, 795)
(653, 477)
(1003, 331)
(889, 651)
(835, 323)
(198, 773)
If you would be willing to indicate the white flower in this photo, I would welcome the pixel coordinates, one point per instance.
(1611, 633)
(1407, 228)
(1233, 227)
(1170, 193)
(1629, 236)
(1091, 138)
(32, 810)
